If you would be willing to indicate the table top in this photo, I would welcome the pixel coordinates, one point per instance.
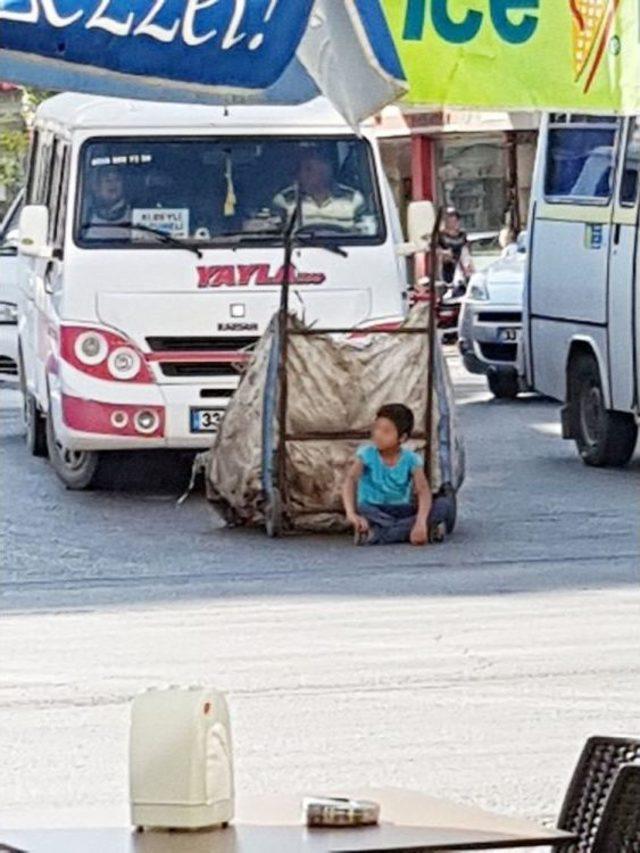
(410, 821)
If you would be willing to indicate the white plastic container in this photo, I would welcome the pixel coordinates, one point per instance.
(181, 765)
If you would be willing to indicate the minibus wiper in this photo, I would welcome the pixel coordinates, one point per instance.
(148, 229)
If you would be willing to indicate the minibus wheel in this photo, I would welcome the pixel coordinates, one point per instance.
(76, 468)
(604, 438)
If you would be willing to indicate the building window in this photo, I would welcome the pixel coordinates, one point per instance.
(473, 179)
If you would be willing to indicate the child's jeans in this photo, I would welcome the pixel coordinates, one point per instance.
(393, 524)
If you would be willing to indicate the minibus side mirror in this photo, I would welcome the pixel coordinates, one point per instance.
(421, 219)
(34, 230)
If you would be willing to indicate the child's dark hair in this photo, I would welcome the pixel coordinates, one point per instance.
(400, 416)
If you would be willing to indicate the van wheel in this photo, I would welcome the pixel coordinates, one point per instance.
(34, 422)
(35, 426)
(503, 384)
(603, 438)
(76, 468)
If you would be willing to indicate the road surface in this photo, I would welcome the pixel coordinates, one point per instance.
(472, 670)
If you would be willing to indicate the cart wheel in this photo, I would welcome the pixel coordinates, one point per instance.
(273, 515)
(449, 493)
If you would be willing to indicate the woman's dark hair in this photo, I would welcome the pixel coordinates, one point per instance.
(400, 416)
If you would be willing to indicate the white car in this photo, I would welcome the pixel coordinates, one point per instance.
(490, 323)
(9, 293)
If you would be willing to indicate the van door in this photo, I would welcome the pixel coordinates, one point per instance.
(33, 268)
(46, 183)
(624, 277)
(570, 245)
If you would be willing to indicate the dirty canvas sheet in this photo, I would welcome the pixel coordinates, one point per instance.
(336, 384)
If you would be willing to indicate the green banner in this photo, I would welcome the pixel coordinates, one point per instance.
(578, 55)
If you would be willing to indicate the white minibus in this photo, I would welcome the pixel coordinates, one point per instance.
(582, 294)
(151, 260)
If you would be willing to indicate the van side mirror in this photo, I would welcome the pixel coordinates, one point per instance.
(34, 231)
(421, 219)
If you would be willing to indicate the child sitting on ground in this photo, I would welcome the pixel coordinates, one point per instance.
(386, 495)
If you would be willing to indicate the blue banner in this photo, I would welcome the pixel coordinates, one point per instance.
(229, 44)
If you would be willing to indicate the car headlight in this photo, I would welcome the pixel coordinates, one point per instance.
(478, 288)
(8, 313)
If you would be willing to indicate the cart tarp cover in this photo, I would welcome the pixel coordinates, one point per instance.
(335, 384)
(206, 51)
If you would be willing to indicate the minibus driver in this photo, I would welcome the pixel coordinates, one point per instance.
(324, 202)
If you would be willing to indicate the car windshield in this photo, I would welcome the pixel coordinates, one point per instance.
(209, 190)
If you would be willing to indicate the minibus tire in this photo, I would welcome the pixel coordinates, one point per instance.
(79, 471)
(604, 438)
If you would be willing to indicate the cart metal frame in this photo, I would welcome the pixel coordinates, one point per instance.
(277, 512)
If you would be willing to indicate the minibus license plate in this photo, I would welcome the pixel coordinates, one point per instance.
(509, 335)
(206, 420)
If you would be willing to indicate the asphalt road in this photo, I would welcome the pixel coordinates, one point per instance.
(472, 670)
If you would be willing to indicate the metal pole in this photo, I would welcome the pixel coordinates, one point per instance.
(433, 331)
(283, 324)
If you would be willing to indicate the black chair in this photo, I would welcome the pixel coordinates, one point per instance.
(591, 784)
(619, 830)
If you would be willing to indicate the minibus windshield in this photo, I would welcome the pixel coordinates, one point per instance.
(200, 190)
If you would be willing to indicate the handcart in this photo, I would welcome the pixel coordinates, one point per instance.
(273, 497)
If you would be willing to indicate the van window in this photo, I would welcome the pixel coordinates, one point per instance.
(207, 190)
(630, 180)
(41, 184)
(33, 164)
(58, 193)
(581, 155)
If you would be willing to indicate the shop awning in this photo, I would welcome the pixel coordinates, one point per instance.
(206, 51)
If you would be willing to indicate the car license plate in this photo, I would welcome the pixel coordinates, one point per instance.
(509, 336)
(206, 420)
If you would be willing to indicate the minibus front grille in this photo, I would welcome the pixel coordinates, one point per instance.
(200, 344)
(190, 369)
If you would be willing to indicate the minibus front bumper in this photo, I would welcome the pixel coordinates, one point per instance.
(98, 415)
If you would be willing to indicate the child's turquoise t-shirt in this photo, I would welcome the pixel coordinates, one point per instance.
(385, 485)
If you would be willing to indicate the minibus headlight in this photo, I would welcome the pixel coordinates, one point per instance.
(124, 363)
(103, 354)
(91, 348)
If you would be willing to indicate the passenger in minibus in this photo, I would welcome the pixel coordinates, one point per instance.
(108, 204)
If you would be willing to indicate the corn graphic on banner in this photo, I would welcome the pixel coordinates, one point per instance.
(578, 55)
